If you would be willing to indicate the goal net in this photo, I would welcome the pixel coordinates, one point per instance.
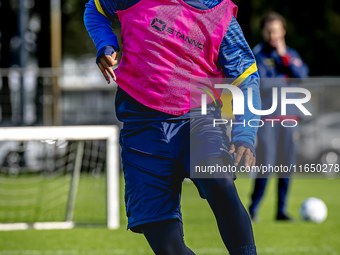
(57, 177)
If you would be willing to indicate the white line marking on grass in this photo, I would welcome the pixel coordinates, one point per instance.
(13, 226)
(53, 225)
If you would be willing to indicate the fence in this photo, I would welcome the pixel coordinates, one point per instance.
(28, 97)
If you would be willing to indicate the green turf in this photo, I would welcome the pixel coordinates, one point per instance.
(39, 198)
(200, 229)
(31, 198)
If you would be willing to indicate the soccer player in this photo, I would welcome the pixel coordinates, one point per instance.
(166, 45)
(277, 64)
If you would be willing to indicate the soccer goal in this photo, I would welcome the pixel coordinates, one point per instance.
(57, 177)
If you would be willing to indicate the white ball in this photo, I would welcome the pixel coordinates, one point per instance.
(313, 209)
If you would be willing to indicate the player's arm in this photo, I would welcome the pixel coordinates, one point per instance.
(97, 20)
(238, 63)
(243, 135)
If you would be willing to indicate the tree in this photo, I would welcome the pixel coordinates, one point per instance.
(313, 30)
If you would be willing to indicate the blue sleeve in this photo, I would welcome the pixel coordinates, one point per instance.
(235, 56)
(98, 17)
(244, 132)
(238, 64)
(99, 28)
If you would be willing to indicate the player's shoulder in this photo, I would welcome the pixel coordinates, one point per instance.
(112, 6)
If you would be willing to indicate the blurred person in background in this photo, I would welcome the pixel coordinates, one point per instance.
(277, 64)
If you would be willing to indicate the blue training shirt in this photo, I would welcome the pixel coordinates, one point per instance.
(235, 59)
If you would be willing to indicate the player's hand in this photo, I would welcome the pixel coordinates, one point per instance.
(105, 63)
(249, 159)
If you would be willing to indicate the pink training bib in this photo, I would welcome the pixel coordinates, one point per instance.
(166, 45)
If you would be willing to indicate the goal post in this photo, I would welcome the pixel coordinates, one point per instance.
(80, 134)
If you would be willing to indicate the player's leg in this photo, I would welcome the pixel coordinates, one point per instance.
(153, 186)
(166, 238)
(209, 149)
(231, 216)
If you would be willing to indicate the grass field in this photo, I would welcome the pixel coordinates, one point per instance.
(200, 229)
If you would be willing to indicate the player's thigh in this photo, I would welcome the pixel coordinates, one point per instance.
(218, 182)
(152, 187)
(206, 144)
(207, 155)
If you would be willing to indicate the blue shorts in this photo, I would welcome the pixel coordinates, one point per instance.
(157, 156)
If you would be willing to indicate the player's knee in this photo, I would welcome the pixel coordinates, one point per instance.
(168, 248)
(223, 186)
(165, 237)
(217, 187)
